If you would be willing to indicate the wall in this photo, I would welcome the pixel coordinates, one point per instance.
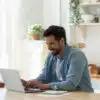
(55, 12)
(92, 41)
(31, 12)
(64, 12)
(92, 49)
(51, 12)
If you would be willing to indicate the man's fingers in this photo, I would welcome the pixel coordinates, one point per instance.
(23, 82)
(36, 86)
(26, 84)
(30, 83)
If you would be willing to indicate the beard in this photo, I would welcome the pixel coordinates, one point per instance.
(55, 52)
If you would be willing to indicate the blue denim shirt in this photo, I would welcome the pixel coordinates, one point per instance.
(74, 71)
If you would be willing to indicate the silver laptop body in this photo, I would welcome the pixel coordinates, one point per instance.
(12, 81)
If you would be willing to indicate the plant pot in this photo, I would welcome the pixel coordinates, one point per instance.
(36, 37)
(1, 85)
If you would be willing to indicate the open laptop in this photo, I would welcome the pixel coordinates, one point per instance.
(12, 81)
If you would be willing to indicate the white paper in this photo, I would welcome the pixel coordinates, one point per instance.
(47, 95)
(51, 93)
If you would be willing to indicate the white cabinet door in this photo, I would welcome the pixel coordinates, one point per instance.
(30, 58)
(96, 85)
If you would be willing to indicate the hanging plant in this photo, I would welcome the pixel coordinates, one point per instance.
(75, 15)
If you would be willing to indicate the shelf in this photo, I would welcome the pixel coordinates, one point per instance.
(87, 24)
(80, 45)
(91, 24)
(90, 4)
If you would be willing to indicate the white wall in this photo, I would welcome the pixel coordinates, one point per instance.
(51, 12)
(92, 49)
(92, 41)
(31, 12)
(64, 12)
(64, 16)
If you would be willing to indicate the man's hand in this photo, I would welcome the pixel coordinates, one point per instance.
(30, 83)
(24, 82)
(35, 84)
(42, 86)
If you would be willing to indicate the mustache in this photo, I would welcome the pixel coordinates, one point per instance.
(51, 49)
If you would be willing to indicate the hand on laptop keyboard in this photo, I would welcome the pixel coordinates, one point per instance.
(35, 84)
(42, 86)
(30, 83)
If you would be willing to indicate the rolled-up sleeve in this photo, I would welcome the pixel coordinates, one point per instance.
(74, 75)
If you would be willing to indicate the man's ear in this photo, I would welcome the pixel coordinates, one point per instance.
(62, 41)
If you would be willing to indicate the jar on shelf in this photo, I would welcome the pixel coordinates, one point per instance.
(98, 69)
(96, 19)
(85, 1)
(98, 1)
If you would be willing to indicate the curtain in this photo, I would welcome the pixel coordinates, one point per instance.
(8, 32)
(15, 18)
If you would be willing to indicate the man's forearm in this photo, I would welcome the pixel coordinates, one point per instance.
(64, 85)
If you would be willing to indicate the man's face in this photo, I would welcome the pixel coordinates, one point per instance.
(53, 45)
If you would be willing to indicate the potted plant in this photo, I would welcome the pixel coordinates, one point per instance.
(35, 32)
(1, 85)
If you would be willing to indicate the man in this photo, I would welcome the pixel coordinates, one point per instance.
(66, 67)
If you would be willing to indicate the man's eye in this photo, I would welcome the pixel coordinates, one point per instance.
(51, 43)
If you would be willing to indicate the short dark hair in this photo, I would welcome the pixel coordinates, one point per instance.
(57, 31)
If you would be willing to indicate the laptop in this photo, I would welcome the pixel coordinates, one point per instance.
(13, 82)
